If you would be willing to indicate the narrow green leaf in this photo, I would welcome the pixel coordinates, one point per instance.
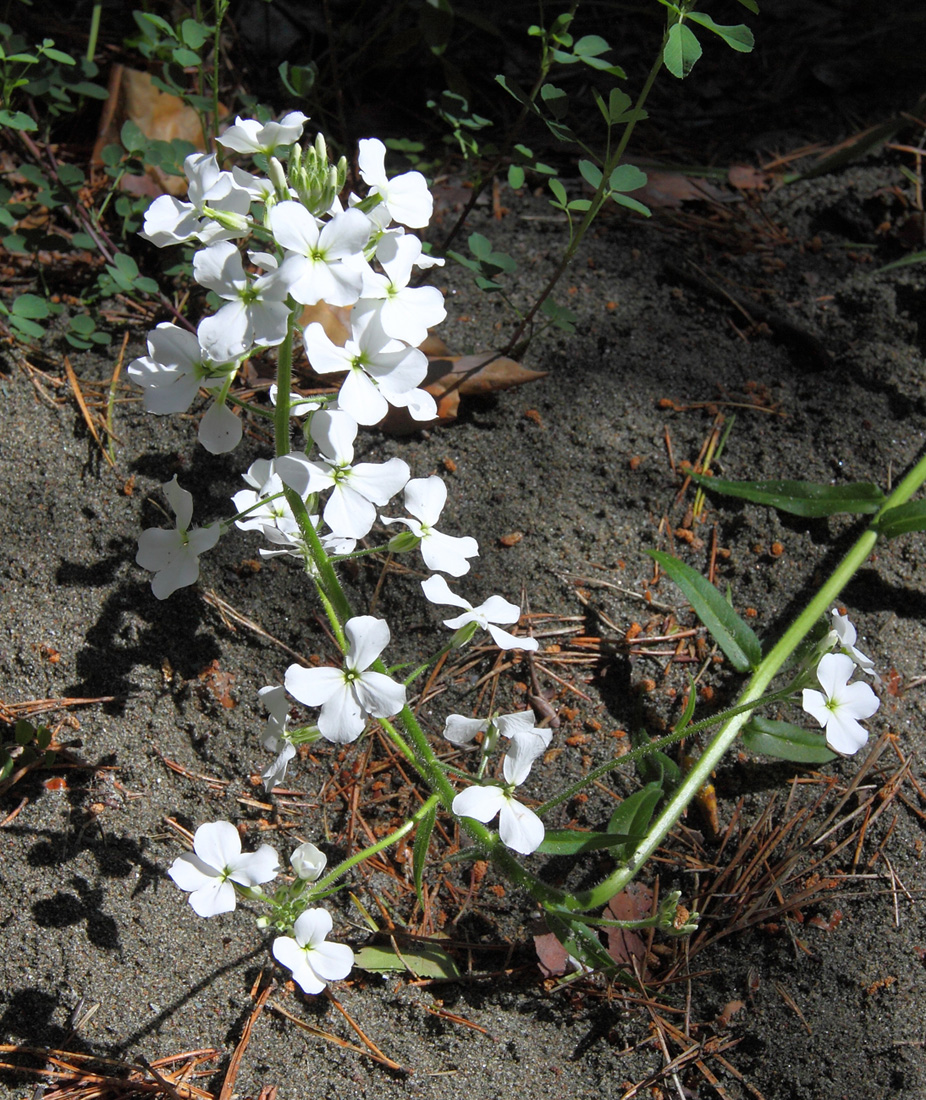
(512, 89)
(28, 328)
(633, 815)
(559, 191)
(809, 499)
(750, 5)
(731, 633)
(89, 89)
(738, 37)
(17, 120)
(570, 842)
(57, 55)
(420, 850)
(591, 173)
(903, 519)
(6, 764)
(913, 258)
(631, 204)
(422, 960)
(786, 741)
(682, 50)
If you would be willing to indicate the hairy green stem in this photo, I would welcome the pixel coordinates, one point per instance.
(750, 698)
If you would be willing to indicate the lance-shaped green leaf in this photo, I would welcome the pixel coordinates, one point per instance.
(809, 499)
(634, 814)
(420, 849)
(738, 37)
(422, 960)
(572, 842)
(728, 630)
(786, 741)
(903, 519)
(682, 50)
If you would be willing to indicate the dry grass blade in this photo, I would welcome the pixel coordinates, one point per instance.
(336, 1040)
(85, 411)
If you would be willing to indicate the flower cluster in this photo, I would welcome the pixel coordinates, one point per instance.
(313, 248)
(842, 702)
(217, 870)
(518, 826)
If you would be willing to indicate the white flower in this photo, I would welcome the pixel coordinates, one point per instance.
(405, 313)
(462, 731)
(256, 312)
(174, 369)
(380, 370)
(248, 136)
(351, 694)
(494, 610)
(519, 827)
(169, 221)
(216, 863)
(840, 705)
(173, 556)
(313, 961)
(275, 735)
(325, 262)
(425, 498)
(843, 636)
(406, 197)
(308, 862)
(350, 511)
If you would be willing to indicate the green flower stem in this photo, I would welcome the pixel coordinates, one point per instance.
(750, 698)
(358, 857)
(661, 743)
(487, 840)
(327, 578)
(599, 199)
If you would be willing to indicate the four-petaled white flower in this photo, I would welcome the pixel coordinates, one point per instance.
(216, 864)
(173, 556)
(406, 197)
(170, 221)
(406, 313)
(275, 735)
(350, 511)
(843, 636)
(462, 731)
(425, 498)
(519, 827)
(494, 610)
(350, 694)
(325, 260)
(256, 312)
(841, 704)
(248, 136)
(313, 961)
(380, 370)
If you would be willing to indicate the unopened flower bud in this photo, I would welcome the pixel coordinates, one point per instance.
(308, 862)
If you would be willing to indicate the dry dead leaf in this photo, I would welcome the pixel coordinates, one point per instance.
(633, 903)
(671, 189)
(159, 115)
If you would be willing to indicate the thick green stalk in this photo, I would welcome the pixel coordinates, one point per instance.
(755, 689)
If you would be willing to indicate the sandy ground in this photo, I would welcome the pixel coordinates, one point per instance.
(807, 978)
